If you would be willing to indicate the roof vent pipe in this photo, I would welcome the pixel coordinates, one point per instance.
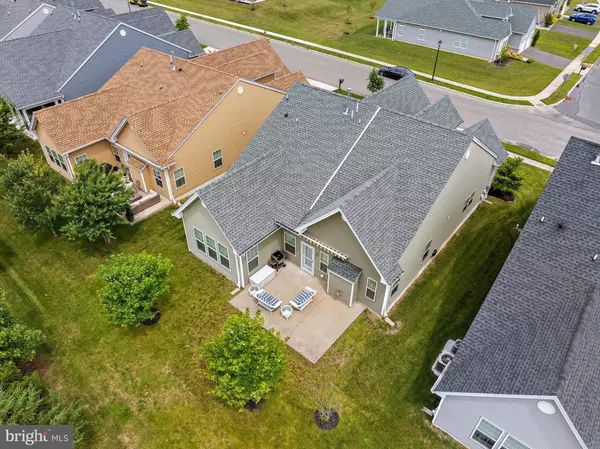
(597, 160)
(595, 258)
(542, 219)
(171, 58)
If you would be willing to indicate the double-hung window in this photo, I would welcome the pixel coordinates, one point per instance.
(323, 262)
(217, 158)
(486, 434)
(513, 443)
(211, 247)
(81, 159)
(371, 289)
(158, 178)
(461, 42)
(399, 30)
(289, 243)
(426, 251)
(252, 257)
(199, 237)
(61, 161)
(116, 154)
(421, 36)
(179, 177)
(50, 154)
(223, 256)
(469, 201)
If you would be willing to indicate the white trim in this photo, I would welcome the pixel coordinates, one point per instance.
(374, 291)
(302, 230)
(248, 260)
(484, 146)
(144, 178)
(345, 157)
(41, 103)
(118, 129)
(352, 293)
(182, 176)
(502, 432)
(435, 412)
(133, 153)
(386, 298)
(570, 423)
(295, 253)
(69, 166)
(343, 279)
(84, 146)
(186, 239)
(419, 34)
(327, 264)
(303, 244)
(194, 229)
(154, 172)
(214, 160)
(237, 271)
(219, 245)
(81, 155)
(507, 436)
(179, 212)
(25, 20)
(169, 189)
(242, 280)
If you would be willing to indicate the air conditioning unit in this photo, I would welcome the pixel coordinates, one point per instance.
(450, 349)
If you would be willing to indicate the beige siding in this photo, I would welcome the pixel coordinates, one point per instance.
(99, 151)
(137, 178)
(45, 140)
(128, 138)
(446, 215)
(268, 246)
(341, 289)
(151, 182)
(229, 127)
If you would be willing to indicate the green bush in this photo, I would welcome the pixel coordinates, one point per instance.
(507, 178)
(246, 361)
(548, 20)
(375, 81)
(18, 343)
(182, 23)
(504, 54)
(536, 36)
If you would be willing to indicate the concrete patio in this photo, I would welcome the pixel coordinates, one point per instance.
(312, 331)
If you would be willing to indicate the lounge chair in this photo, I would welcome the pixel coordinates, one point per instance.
(265, 300)
(303, 299)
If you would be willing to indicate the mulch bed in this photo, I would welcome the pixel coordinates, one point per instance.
(330, 424)
(503, 196)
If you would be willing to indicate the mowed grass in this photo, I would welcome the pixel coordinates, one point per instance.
(144, 387)
(582, 26)
(561, 44)
(563, 89)
(323, 22)
(531, 154)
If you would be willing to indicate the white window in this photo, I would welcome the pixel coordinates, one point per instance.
(50, 154)
(513, 443)
(158, 177)
(323, 262)
(81, 159)
(371, 289)
(179, 177)
(211, 246)
(289, 243)
(217, 158)
(426, 251)
(199, 240)
(60, 160)
(421, 34)
(469, 201)
(224, 256)
(116, 154)
(460, 42)
(486, 434)
(399, 30)
(252, 258)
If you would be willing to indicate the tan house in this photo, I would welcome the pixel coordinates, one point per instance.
(359, 195)
(173, 124)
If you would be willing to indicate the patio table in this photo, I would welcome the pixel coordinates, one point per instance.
(286, 311)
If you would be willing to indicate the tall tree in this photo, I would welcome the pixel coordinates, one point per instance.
(18, 343)
(94, 203)
(29, 186)
(9, 133)
(375, 81)
(182, 23)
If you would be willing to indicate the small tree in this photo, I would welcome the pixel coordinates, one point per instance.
(246, 361)
(182, 23)
(133, 282)
(373, 5)
(9, 133)
(94, 204)
(18, 343)
(375, 81)
(536, 36)
(548, 20)
(504, 54)
(30, 186)
(507, 178)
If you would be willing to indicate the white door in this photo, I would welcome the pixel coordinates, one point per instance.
(308, 259)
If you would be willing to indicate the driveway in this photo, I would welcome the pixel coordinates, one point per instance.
(547, 58)
(583, 105)
(588, 34)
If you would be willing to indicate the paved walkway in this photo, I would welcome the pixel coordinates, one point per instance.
(547, 58)
(532, 162)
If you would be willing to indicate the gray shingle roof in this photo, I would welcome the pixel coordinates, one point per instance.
(405, 96)
(442, 113)
(385, 186)
(344, 269)
(485, 133)
(539, 2)
(522, 18)
(462, 16)
(537, 331)
(151, 20)
(185, 39)
(13, 13)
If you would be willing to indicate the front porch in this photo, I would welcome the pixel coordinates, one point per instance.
(314, 330)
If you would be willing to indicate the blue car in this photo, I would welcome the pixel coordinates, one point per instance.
(584, 17)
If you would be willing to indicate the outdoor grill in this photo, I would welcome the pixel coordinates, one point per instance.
(277, 260)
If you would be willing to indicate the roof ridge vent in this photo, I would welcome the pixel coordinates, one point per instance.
(597, 160)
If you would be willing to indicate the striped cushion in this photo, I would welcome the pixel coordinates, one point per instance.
(268, 299)
(303, 297)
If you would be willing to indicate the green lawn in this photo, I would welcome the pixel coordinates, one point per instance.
(561, 44)
(531, 154)
(143, 385)
(568, 23)
(563, 90)
(323, 22)
(593, 56)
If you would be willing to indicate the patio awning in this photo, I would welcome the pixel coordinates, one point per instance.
(344, 269)
(324, 246)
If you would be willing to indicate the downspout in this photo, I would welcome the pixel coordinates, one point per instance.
(241, 272)
(166, 172)
(386, 298)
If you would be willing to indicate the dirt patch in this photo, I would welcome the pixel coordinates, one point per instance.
(41, 364)
(327, 424)
(393, 330)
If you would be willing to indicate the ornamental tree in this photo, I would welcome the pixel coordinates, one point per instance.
(133, 282)
(507, 178)
(9, 133)
(246, 361)
(94, 203)
(18, 343)
(182, 23)
(375, 81)
(30, 186)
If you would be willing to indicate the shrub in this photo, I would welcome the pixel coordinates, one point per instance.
(133, 283)
(9, 133)
(373, 5)
(504, 54)
(530, 60)
(18, 343)
(507, 178)
(536, 36)
(375, 81)
(548, 20)
(182, 23)
(245, 361)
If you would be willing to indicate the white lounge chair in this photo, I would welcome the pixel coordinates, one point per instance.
(264, 299)
(303, 299)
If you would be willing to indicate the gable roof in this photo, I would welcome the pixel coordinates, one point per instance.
(405, 96)
(369, 164)
(162, 105)
(523, 17)
(442, 112)
(481, 18)
(537, 331)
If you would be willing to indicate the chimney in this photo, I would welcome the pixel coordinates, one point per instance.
(597, 160)
(171, 57)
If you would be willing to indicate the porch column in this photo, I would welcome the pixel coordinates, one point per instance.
(166, 172)
(385, 28)
(377, 29)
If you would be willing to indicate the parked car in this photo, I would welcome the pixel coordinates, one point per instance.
(590, 7)
(395, 73)
(583, 17)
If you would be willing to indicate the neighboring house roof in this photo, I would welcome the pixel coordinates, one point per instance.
(483, 18)
(523, 17)
(405, 96)
(86, 32)
(537, 331)
(13, 13)
(442, 112)
(338, 154)
(537, 2)
(185, 39)
(161, 104)
(286, 82)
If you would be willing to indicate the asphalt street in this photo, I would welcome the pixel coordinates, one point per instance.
(585, 100)
(545, 129)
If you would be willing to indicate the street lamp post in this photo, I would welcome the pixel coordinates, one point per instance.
(129, 5)
(436, 58)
